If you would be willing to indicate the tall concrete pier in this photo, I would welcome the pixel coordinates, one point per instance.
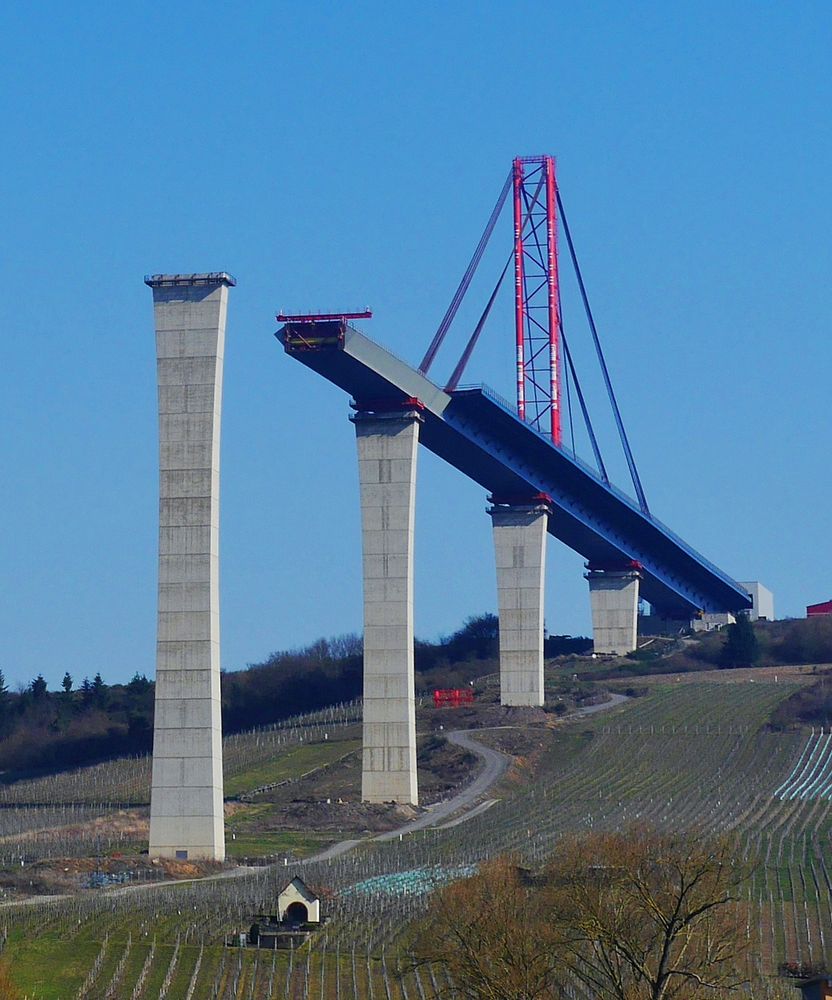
(613, 596)
(186, 800)
(520, 556)
(387, 447)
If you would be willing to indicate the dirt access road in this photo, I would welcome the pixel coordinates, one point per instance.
(495, 764)
(469, 800)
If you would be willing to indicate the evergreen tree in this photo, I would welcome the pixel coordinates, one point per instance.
(741, 648)
(99, 691)
(139, 684)
(38, 688)
(86, 691)
(66, 683)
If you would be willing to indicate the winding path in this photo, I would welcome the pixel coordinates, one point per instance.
(495, 767)
(602, 706)
(495, 764)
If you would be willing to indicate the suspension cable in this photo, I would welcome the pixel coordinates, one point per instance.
(453, 382)
(567, 381)
(614, 403)
(584, 409)
(456, 301)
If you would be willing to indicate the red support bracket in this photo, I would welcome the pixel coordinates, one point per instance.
(627, 566)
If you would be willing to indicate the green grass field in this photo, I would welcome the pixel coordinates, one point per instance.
(292, 764)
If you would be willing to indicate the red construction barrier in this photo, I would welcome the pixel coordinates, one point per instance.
(452, 697)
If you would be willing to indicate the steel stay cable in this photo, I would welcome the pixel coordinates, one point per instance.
(457, 373)
(467, 277)
(567, 385)
(584, 410)
(604, 370)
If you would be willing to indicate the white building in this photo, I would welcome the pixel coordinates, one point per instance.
(297, 903)
(763, 599)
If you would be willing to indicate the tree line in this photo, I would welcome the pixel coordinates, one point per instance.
(42, 730)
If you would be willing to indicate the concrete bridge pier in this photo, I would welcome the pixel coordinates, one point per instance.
(520, 554)
(388, 439)
(186, 798)
(613, 595)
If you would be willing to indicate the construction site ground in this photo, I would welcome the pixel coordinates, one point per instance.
(287, 810)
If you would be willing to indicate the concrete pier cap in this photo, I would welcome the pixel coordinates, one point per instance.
(181, 280)
(520, 529)
(186, 799)
(613, 596)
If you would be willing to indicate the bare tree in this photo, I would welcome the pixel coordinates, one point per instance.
(650, 916)
(490, 934)
(638, 915)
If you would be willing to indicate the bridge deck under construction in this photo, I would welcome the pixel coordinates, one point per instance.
(482, 436)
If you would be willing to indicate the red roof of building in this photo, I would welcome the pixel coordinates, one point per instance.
(824, 608)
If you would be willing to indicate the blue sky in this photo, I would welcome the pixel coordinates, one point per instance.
(331, 155)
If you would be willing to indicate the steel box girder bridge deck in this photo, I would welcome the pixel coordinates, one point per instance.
(480, 435)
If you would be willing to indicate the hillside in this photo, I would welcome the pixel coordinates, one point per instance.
(695, 754)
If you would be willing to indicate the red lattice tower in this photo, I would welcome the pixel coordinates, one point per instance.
(536, 293)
